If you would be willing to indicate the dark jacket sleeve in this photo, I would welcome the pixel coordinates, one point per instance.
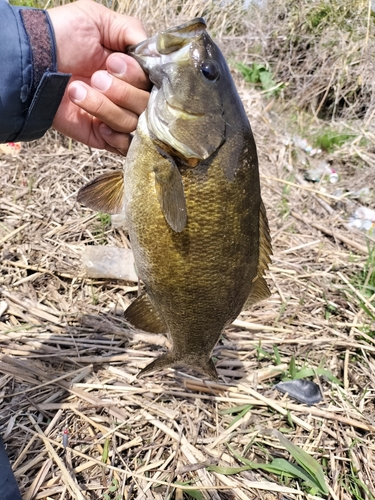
(31, 89)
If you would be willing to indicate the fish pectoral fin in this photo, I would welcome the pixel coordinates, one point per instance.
(170, 192)
(142, 315)
(105, 193)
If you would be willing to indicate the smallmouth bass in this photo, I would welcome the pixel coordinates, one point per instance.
(191, 193)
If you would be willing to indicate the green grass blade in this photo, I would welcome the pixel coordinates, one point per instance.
(233, 409)
(240, 415)
(367, 310)
(105, 453)
(239, 457)
(277, 355)
(293, 470)
(196, 494)
(279, 467)
(309, 372)
(292, 367)
(308, 463)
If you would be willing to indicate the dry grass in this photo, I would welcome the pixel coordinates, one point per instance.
(68, 361)
(322, 50)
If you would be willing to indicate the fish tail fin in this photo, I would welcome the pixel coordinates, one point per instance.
(206, 367)
(164, 361)
(167, 360)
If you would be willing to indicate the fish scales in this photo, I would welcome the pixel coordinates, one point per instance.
(193, 206)
(199, 278)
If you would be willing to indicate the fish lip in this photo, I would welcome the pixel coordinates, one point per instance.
(154, 48)
(182, 111)
(199, 23)
(133, 50)
(182, 27)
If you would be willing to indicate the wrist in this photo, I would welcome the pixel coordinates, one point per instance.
(40, 33)
(45, 88)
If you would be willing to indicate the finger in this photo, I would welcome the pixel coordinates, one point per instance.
(119, 30)
(103, 137)
(74, 122)
(127, 69)
(121, 93)
(97, 104)
(117, 141)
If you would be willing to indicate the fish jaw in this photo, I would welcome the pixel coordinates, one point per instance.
(179, 111)
(165, 46)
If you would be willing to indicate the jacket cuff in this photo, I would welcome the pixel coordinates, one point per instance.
(47, 85)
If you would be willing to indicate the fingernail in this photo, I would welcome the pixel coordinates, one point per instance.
(101, 80)
(77, 92)
(104, 129)
(117, 65)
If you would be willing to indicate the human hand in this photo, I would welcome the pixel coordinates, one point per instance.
(108, 89)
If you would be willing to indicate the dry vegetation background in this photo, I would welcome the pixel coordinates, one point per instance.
(68, 361)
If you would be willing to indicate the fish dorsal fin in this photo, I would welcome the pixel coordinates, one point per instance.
(142, 315)
(105, 193)
(260, 290)
(170, 192)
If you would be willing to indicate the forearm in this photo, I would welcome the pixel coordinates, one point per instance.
(31, 89)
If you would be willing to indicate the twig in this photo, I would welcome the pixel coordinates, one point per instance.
(334, 234)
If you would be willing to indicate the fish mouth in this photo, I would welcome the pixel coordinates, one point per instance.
(177, 110)
(169, 40)
(170, 45)
(174, 39)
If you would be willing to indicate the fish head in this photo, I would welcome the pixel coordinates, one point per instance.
(190, 76)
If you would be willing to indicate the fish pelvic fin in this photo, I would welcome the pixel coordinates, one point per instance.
(105, 193)
(142, 315)
(204, 366)
(260, 290)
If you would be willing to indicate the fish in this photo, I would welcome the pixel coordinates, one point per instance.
(190, 189)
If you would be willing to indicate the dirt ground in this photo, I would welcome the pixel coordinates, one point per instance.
(69, 361)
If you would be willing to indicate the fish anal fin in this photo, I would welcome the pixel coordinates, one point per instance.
(105, 193)
(265, 245)
(142, 315)
(170, 192)
(260, 290)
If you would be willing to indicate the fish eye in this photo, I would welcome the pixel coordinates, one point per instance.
(210, 70)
